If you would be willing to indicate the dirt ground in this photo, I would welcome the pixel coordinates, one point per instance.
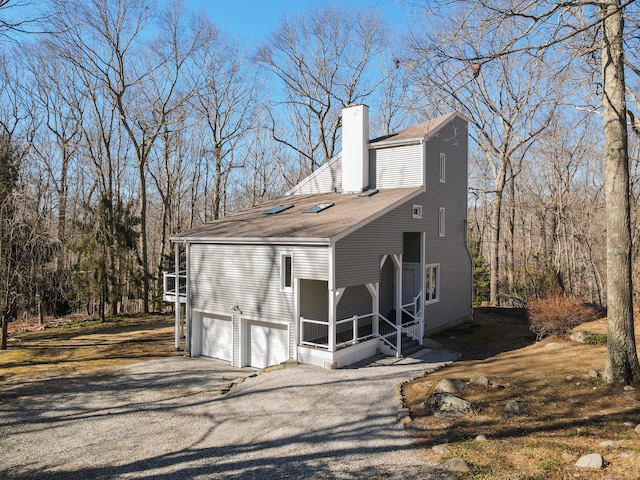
(82, 345)
(567, 413)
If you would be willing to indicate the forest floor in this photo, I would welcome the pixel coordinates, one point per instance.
(567, 413)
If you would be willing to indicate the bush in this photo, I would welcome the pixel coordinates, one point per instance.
(558, 315)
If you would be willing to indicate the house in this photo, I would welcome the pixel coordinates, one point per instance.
(366, 252)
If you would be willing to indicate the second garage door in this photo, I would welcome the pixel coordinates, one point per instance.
(217, 337)
(268, 344)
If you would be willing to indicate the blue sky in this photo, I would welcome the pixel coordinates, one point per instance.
(255, 19)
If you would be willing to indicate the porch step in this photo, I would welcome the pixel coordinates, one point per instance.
(409, 346)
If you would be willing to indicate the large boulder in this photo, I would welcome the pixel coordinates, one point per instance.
(445, 403)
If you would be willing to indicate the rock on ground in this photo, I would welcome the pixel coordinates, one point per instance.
(447, 404)
(480, 380)
(457, 465)
(593, 461)
(451, 385)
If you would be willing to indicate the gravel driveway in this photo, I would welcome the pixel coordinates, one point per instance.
(165, 419)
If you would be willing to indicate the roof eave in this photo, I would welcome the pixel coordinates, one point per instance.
(253, 240)
(396, 143)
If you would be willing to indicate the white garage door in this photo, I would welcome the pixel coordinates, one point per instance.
(217, 338)
(268, 344)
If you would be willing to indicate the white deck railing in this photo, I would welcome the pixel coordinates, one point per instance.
(358, 331)
(413, 327)
(169, 286)
(349, 331)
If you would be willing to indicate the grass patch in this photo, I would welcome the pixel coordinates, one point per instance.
(596, 339)
(82, 346)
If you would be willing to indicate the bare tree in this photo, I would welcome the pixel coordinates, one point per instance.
(321, 58)
(536, 26)
(225, 104)
(108, 40)
(507, 111)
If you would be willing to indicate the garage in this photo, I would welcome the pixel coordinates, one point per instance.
(268, 344)
(217, 337)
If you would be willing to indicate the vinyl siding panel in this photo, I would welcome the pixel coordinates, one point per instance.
(314, 302)
(395, 167)
(327, 179)
(354, 301)
(357, 256)
(222, 274)
(449, 251)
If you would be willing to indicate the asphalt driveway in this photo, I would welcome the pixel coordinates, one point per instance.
(166, 419)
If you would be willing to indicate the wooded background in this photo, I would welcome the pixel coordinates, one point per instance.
(123, 122)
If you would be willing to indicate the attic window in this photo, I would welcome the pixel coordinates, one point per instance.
(369, 193)
(278, 209)
(318, 208)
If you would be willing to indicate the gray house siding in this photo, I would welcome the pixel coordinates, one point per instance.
(354, 301)
(327, 179)
(395, 167)
(357, 256)
(316, 300)
(449, 251)
(222, 274)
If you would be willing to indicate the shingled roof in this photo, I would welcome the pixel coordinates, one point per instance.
(415, 132)
(293, 225)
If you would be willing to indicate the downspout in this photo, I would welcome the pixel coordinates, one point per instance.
(188, 313)
(466, 247)
(177, 306)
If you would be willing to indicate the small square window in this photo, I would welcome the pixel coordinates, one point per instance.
(417, 211)
(443, 165)
(441, 221)
(286, 272)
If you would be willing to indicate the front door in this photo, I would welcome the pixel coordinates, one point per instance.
(410, 282)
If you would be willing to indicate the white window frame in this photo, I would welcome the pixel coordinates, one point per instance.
(416, 211)
(286, 278)
(443, 166)
(431, 276)
(441, 221)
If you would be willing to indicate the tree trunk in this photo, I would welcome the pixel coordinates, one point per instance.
(496, 213)
(495, 249)
(5, 328)
(143, 234)
(622, 360)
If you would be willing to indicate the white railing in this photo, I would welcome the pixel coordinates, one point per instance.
(354, 331)
(392, 332)
(169, 286)
(413, 311)
(317, 335)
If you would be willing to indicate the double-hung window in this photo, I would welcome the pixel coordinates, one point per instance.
(432, 283)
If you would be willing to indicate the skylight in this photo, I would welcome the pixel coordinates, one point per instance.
(318, 208)
(278, 209)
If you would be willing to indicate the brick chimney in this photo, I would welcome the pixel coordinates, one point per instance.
(355, 153)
